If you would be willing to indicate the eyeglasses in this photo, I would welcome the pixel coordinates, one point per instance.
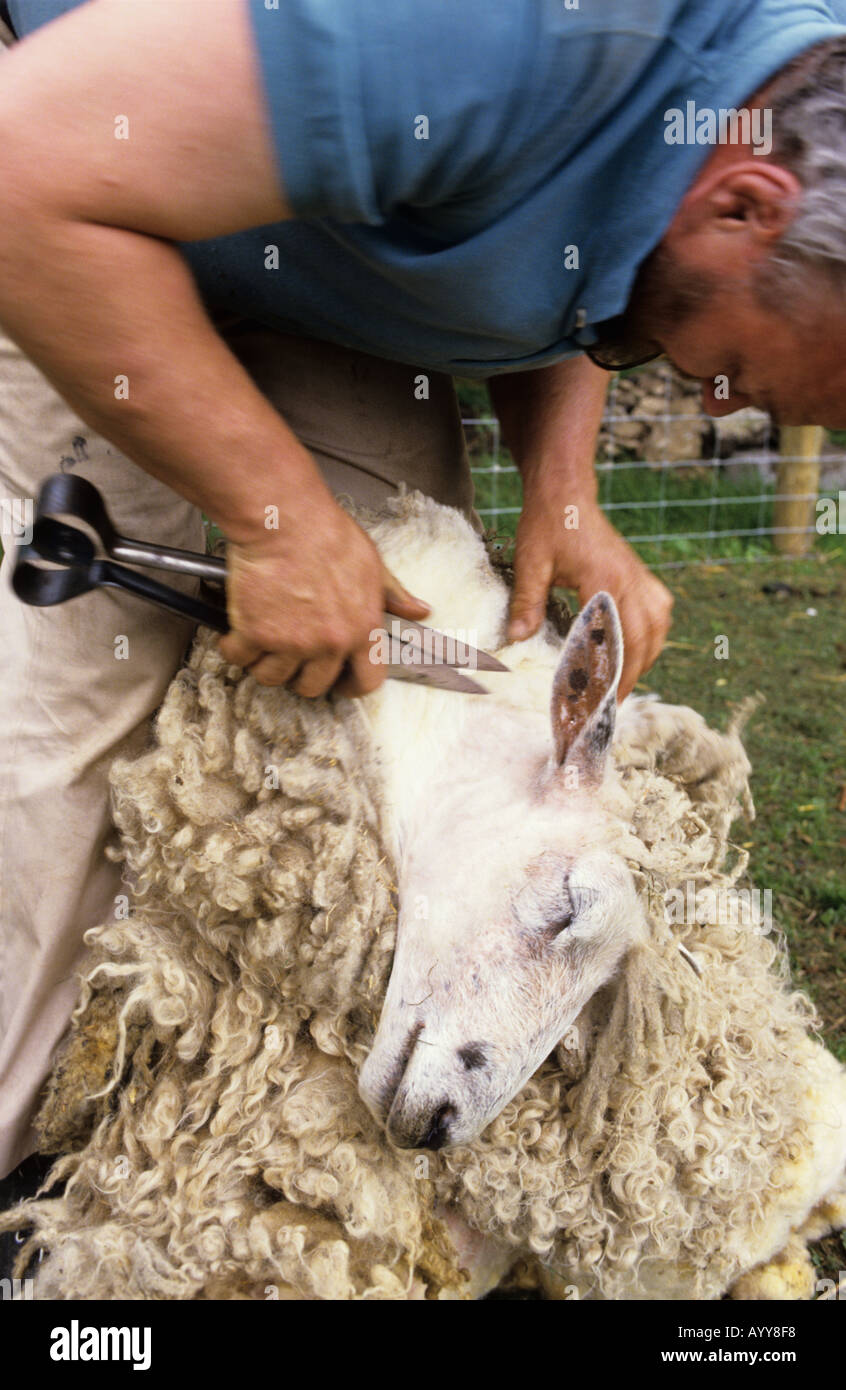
(618, 349)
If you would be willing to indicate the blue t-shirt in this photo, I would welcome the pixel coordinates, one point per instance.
(476, 182)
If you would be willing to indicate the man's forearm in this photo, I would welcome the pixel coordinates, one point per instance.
(550, 420)
(113, 319)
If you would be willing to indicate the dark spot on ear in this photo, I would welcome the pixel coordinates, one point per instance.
(597, 635)
(600, 734)
(473, 1056)
(579, 679)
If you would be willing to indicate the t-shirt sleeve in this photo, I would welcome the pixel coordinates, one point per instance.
(377, 103)
(27, 15)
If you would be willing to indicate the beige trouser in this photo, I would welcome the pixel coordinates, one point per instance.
(73, 695)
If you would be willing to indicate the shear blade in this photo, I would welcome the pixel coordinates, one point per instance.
(432, 644)
(443, 677)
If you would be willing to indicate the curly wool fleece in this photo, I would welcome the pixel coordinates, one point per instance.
(675, 1139)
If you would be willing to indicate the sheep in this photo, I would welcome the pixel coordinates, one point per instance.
(497, 953)
(620, 1103)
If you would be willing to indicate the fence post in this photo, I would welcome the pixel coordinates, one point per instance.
(798, 482)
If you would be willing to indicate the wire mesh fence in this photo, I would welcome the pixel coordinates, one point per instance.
(681, 486)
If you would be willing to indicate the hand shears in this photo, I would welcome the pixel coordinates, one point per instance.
(418, 653)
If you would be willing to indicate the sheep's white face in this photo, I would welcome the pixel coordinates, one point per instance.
(512, 914)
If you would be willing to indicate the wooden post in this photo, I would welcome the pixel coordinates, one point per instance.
(798, 481)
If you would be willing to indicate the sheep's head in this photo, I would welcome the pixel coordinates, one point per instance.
(512, 911)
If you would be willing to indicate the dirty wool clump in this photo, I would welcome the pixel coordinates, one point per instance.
(214, 1142)
(240, 993)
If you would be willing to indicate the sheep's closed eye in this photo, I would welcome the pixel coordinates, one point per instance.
(561, 923)
(564, 916)
(544, 906)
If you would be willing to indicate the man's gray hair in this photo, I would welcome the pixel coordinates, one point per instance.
(808, 103)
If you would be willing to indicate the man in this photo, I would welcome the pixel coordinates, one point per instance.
(244, 245)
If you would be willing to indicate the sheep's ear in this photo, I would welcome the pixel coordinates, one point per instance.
(584, 692)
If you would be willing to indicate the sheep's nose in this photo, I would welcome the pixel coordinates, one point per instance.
(429, 1130)
(437, 1131)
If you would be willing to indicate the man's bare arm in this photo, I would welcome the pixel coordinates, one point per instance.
(550, 420)
(92, 290)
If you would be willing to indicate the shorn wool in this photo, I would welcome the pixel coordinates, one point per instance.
(685, 1138)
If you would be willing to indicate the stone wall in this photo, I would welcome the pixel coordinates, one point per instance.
(657, 416)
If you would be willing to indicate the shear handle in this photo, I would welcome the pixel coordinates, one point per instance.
(66, 494)
(116, 576)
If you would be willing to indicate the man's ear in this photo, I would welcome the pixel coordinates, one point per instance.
(584, 691)
(760, 196)
(754, 198)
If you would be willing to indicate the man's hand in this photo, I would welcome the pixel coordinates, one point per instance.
(591, 557)
(551, 418)
(303, 601)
